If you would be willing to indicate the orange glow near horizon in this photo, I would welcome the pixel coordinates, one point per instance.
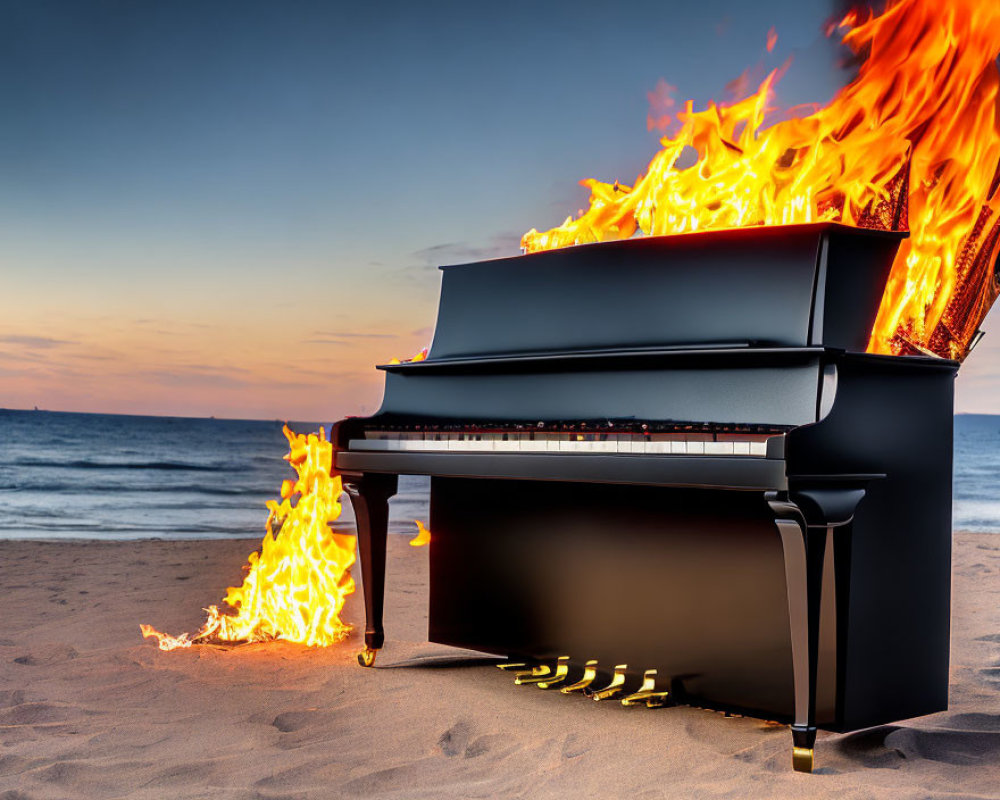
(222, 365)
(922, 114)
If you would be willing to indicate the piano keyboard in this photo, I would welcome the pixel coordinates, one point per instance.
(690, 444)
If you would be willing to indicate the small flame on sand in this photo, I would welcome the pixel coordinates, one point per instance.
(423, 535)
(296, 585)
(916, 131)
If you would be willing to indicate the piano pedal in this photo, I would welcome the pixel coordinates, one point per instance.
(562, 670)
(589, 673)
(537, 675)
(512, 665)
(646, 694)
(802, 759)
(613, 688)
(366, 658)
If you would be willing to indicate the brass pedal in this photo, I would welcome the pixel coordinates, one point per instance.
(538, 674)
(506, 665)
(562, 670)
(613, 688)
(646, 694)
(517, 669)
(589, 673)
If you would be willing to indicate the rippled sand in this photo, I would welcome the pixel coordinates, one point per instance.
(89, 710)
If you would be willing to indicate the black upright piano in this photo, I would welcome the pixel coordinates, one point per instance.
(673, 457)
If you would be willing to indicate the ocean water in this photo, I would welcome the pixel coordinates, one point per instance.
(82, 476)
(73, 476)
(976, 499)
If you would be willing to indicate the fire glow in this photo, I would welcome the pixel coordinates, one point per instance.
(295, 587)
(917, 131)
(423, 536)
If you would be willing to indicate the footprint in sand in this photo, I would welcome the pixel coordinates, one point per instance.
(309, 725)
(36, 714)
(991, 675)
(947, 745)
(11, 697)
(870, 748)
(45, 655)
(454, 741)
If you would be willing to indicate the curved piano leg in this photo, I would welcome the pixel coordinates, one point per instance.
(810, 578)
(803, 550)
(370, 495)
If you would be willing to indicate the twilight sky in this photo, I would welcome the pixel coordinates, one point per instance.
(236, 208)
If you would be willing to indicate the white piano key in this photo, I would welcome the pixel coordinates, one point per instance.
(368, 444)
(488, 442)
(718, 448)
(538, 442)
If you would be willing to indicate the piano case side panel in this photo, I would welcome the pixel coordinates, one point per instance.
(689, 582)
(895, 564)
(900, 601)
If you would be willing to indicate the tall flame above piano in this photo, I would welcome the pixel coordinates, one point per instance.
(920, 120)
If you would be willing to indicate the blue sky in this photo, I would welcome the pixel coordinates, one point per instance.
(235, 208)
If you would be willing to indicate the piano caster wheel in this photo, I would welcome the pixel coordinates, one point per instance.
(366, 658)
(802, 759)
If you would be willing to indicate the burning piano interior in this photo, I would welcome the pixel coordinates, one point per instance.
(705, 467)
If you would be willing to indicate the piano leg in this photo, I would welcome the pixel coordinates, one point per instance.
(370, 495)
(804, 549)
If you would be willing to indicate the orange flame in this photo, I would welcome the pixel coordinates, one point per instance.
(919, 123)
(418, 357)
(296, 585)
(423, 535)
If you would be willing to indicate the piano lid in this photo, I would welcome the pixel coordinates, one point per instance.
(795, 286)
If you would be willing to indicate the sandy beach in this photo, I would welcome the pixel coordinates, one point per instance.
(90, 710)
